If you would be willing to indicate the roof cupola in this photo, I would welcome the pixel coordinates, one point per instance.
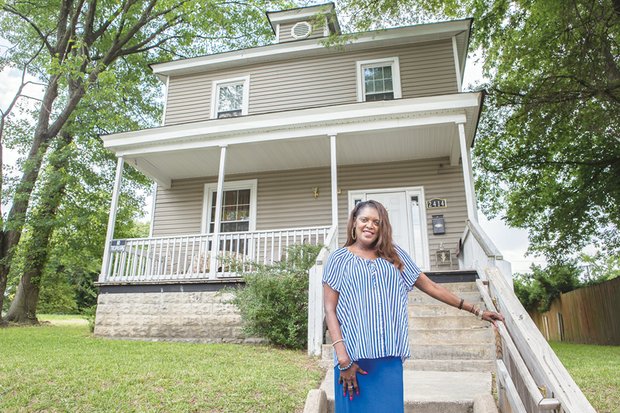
(304, 23)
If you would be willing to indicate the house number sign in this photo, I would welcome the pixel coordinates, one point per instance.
(437, 203)
(117, 245)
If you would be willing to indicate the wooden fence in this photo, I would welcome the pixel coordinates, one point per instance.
(589, 315)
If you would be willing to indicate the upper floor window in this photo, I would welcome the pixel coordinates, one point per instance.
(378, 79)
(230, 97)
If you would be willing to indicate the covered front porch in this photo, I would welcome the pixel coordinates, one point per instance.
(293, 150)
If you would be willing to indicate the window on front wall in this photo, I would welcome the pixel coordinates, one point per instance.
(378, 80)
(238, 212)
(235, 211)
(230, 98)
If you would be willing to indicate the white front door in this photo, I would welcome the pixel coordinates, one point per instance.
(405, 208)
(396, 205)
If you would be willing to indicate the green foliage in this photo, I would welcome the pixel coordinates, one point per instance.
(537, 290)
(89, 313)
(600, 267)
(274, 301)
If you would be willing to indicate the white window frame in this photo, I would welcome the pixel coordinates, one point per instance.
(215, 86)
(211, 188)
(390, 61)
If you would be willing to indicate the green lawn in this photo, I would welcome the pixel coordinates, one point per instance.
(596, 370)
(62, 368)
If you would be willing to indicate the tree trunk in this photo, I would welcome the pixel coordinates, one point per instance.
(24, 306)
(11, 234)
(42, 222)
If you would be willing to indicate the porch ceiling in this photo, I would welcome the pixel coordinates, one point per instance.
(370, 132)
(352, 148)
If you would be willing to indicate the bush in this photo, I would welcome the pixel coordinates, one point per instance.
(89, 314)
(274, 302)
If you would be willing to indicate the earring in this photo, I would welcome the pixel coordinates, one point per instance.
(353, 234)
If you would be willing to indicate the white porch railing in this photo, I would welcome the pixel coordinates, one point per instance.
(530, 377)
(188, 257)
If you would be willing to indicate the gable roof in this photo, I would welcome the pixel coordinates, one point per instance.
(457, 29)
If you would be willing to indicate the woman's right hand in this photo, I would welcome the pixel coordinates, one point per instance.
(348, 379)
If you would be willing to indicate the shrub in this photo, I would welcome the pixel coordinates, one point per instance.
(274, 301)
(89, 313)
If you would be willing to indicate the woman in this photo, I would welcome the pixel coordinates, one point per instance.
(365, 286)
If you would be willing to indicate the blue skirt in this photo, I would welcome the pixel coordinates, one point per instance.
(381, 390)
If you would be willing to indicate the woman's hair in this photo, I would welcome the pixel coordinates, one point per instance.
(384, 244)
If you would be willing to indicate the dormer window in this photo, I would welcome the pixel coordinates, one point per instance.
(230, 97)
(378, 80)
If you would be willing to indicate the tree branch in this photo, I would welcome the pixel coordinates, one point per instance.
(43, 37)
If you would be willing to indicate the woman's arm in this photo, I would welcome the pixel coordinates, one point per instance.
(348, 377)
(442, 294)
(330, 297)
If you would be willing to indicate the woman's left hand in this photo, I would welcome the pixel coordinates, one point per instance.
(492, 317)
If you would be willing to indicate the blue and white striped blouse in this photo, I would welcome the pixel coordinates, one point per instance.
(372, 303)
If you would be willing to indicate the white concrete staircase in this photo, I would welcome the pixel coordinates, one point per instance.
(452, 355)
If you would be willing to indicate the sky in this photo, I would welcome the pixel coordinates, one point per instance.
(512, 242)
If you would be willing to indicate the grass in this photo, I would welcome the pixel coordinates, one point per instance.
(596, 370)
(60, 367)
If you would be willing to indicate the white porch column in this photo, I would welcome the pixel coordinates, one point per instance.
(468, 177)
(334, 181)
(112, 219)
(218, 213)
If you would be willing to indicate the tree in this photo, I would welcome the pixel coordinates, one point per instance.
(547, 152)
(538, 289)
(71, 45)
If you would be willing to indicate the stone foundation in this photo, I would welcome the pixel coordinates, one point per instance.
(168, 313)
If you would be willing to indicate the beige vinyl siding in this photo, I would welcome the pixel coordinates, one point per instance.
(285, 32)
(425, 69)
(285, 198)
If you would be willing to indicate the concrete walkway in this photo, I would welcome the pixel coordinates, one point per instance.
(433, 391)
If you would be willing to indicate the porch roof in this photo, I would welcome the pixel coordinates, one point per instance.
(413, 128)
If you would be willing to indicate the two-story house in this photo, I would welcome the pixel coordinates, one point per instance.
(271, 146)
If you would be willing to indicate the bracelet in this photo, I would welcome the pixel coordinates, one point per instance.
(337, 341)
(461, 304)
(479, 314)
(345, 368)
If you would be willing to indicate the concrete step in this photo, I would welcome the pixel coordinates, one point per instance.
(461, 321)
(451, 336)
(456, 287)
(450, 365)
(457, 351)
(422, 298)
(439, 351)
(439, 309)
(435, 365)
(431, 391)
